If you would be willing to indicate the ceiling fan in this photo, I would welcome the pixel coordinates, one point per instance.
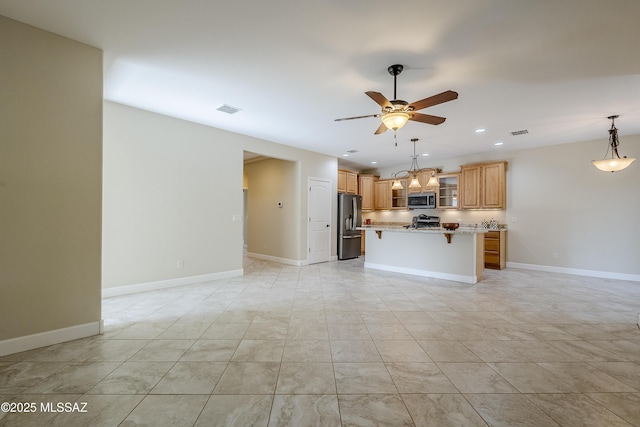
(396, 113)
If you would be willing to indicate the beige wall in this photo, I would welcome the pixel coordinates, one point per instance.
(271, 230)
(172, 189)
(310, 165)
(557, 202)
(50, 182)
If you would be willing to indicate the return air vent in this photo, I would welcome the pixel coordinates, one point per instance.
(519, 132)
(352, 151)
(228, 109)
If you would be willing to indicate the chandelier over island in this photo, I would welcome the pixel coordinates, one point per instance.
(412, 173)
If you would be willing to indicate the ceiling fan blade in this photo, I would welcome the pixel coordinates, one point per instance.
(381, 129)
(357, 117)
(434, 100)
(427, 118)
(380, 99)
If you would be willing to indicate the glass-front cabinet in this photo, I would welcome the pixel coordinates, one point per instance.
(399, 196)
(448, 191)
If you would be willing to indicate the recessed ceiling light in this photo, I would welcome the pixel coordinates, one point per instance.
(374, 163)
(480, 130)
(498, 143)
(425, 154)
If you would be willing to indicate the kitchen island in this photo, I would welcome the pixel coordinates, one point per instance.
(429, 252)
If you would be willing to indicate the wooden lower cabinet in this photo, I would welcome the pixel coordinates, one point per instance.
(495, 249)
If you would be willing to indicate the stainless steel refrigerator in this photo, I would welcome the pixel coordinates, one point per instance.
(349, 217)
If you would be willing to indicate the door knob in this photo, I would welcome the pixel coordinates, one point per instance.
(328, 225)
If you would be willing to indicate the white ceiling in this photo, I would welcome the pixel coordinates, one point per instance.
(557, 68)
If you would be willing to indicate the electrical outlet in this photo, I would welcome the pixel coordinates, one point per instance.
(180, 264)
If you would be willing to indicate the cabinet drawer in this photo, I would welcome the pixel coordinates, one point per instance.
(492, 235)
(492, 245)
(491, 258)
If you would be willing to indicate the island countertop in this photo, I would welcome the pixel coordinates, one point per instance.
(433, 230)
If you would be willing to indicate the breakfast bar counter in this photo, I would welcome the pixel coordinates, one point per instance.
(456, 255)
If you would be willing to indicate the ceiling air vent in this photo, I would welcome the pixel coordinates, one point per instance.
(228, 109)
(519, 132)
(352, 151)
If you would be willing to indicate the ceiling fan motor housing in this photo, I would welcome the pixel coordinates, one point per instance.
(395, 69)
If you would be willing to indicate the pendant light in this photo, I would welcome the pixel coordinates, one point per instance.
(615, 163)
(412, 174)
(433, 180)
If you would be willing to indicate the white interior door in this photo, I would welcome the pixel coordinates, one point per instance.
(319, 207)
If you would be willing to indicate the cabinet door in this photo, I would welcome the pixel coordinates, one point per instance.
(352, 183)
(366, 191)
(448, 191)
(382, 195)
(493, 186)
(342, 181)
(470, 187)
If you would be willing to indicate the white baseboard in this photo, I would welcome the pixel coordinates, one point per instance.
(576, 271)
(42, 339)
(423, 273)
(170, 283)
(277, 259)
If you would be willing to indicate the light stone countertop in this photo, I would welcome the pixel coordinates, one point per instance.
(426, 230)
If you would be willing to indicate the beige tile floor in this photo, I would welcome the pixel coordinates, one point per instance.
(335, 344)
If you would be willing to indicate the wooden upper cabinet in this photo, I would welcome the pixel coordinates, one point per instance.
(470, 187)
(342, 181)
(352, 183)
(494, 185)
(347, 182)
(382, 195)
(448, 191)
(366, 190)
(483, 185)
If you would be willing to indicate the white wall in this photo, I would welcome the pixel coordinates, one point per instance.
(50, 187)
(557, 202)
(171, 191)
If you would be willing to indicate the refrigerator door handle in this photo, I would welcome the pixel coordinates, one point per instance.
(354, 202)
(352, 237)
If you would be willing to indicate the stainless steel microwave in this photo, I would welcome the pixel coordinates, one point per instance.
(421, 200)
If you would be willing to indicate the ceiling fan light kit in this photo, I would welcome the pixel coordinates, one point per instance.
(615, 163)
(396, 113)
(395, 121)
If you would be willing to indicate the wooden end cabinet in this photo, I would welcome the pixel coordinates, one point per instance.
(495, 249)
